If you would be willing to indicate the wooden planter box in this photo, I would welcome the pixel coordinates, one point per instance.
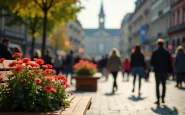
(78, 106)
(86, 83)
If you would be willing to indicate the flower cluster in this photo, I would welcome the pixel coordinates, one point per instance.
(85, 68)
(33, 87)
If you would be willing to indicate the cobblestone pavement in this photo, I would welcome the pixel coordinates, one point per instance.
(124, 102)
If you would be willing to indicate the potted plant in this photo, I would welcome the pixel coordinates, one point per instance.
(32, 87)
(85, 75)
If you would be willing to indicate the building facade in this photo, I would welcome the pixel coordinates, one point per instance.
(177, 27)
(159, 22)
(17, 34)
(124, 36)
(100, 41)
(75, 34)
(139, 24)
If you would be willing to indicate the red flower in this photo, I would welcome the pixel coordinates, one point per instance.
(54, 90)
(45, 66)
(48, 88)
(43, 73)
(49, 78)
(25, 60)
(52, 71)
(72, 93)
(16, 54)
(1, 79)
(36, 71)
(32, 64)
(67, 85)
(38, 80)
(30, 74)
(39, 61)
(17, 69)
(24, 80)
(1, 73)
(23, 67)
(18, 59)
(12, 64)
(64, 82)
(49, 66)
(1, 60)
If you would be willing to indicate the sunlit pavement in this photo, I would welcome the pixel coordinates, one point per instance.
(124, 102)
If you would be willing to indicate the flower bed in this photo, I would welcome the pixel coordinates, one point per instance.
(32, 87)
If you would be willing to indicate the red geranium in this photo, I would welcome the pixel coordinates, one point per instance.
(16, 54)
(49, 78)
(38, 80)
(54, 90)
(25, 60)
(12, 64)
(17, 69)
(48, 88)
(1, 60)
(24, 80)
(49, 66)
(30, 74)
(45, 66)
(39, 61)
(36, 71)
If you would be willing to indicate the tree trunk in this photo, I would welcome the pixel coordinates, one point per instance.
(44, 32)
(32, 46)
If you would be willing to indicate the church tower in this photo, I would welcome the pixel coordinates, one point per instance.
(102, 17)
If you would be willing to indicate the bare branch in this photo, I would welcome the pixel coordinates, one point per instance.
(38, 4)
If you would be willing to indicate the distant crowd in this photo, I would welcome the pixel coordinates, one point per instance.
(161, 62)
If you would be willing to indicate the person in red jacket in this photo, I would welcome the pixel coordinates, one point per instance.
(126, 68)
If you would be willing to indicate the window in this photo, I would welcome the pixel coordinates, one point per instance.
(178, 17)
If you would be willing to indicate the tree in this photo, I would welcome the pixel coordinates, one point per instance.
(58, 39)
(52, 12)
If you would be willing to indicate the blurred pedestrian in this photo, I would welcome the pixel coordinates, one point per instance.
(138, 66)
(37, 54)
(57, 64)
(114, 66)
(18, 49)
(68, 64)
(4, 51)
(172, 61)
(93, 60)
(161, 61)
(148, 67)
(47, 57)
(77, 58)
(126, 68)
(179, 65)
(104, 66)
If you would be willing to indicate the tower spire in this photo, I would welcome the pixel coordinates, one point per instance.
(102, 17)
(102, 9)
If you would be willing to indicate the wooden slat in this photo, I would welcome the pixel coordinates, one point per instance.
(6, 62)
(73, 104)
(82, 106)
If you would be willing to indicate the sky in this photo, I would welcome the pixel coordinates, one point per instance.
(114, 11)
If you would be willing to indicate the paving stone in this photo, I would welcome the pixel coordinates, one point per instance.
(124, 102)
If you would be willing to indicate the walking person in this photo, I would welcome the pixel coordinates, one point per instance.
(69, 63)
(57, 64)
(104, 65)
(161, 61)
(179, 65)
(126, 68)
(4, 52)
(47, 57)
(138, 66)
(114, 66)
(37, 54)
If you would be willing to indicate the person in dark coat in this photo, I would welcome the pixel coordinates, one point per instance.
(179, 65)
(138, 66)
(161, 61)
(47, 57)
(4, 52)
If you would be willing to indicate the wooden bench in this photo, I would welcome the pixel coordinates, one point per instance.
(78, 104)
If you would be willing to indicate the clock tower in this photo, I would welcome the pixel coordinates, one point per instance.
(102, 17)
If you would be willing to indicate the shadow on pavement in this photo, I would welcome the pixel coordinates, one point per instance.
(134, 98)
(182, 88)
(81, 92)
(165, 110)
